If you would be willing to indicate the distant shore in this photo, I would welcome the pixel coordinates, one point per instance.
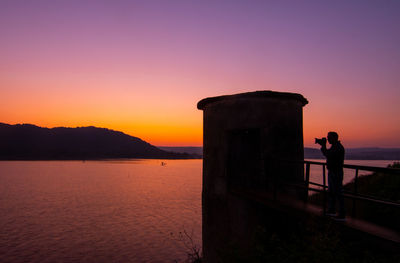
(375, 153)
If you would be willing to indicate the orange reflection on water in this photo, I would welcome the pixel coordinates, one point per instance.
(116, 211)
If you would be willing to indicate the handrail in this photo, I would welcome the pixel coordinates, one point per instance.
(354, 195)
(362, 167)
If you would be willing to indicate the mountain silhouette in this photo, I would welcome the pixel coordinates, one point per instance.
(30, 142)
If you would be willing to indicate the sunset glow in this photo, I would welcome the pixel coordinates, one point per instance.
(141, 67)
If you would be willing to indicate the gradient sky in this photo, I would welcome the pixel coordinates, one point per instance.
(141, 66)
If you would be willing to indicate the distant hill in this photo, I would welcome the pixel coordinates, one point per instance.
(313, 153)
(190, 149)
(373, 153)
(30, 142)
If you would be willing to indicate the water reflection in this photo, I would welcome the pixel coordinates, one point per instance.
(98, 211)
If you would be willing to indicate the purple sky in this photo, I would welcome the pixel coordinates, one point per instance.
(141, 66)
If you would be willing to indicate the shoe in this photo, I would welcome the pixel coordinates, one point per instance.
(340, 218)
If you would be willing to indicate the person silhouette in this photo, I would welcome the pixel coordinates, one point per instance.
(334, 161)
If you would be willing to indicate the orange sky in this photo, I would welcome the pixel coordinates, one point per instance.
(142, 68)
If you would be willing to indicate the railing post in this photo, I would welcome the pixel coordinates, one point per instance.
(275, 187)
(274, 180)
(307, 181)
(355, 192)
(324, 185)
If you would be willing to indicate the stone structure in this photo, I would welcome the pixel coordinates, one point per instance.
(251, 144)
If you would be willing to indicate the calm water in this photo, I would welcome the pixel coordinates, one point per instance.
(103, 211)
(98, 211)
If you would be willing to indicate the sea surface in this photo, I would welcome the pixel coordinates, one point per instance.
(99, 211)
(105, 211)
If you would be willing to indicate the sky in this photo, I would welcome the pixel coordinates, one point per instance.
(141, 66)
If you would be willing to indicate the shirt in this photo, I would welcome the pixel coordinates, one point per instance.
(334, 156)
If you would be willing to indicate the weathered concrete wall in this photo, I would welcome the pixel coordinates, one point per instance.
(251, 141)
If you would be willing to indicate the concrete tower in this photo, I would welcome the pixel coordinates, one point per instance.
(252, 144)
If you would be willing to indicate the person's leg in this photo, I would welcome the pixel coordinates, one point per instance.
(339, 193)
(331, 193)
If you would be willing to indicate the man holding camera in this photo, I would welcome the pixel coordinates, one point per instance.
(334, 160)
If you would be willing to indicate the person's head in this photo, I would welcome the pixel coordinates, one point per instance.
(333, 137)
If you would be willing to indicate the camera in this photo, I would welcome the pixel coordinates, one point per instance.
(321, 141)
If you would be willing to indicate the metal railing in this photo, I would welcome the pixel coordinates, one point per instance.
(354, 194)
